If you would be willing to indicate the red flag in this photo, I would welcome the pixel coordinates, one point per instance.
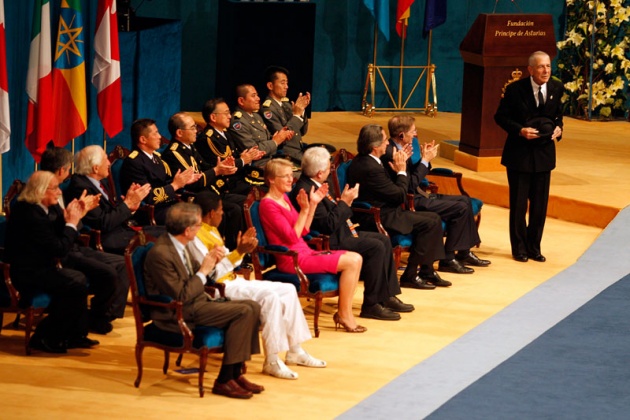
(106, 73)
(5, 120)
(39, 120)
(402, 14)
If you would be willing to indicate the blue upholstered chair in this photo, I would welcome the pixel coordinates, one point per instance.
(313, 286)
(201, 341)
(11, 301)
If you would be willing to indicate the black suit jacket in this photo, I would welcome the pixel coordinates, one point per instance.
(330, 218)
(416, 172)
(379, 190)
(34, 242)
(139, 168)
(517, 107)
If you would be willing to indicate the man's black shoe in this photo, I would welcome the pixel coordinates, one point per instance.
(47, 345)
(520, 257)
(100, 326)
(378, 311)
(453, 266)
(397, 305)
(416, 283)
(539, 258)
(471, 259)
(82, 343)
(435, 279)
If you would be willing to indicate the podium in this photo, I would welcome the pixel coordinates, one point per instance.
(495, 52)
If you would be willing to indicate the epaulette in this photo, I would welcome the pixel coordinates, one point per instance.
(267, 103)
(209, 133)
(237, 114)
(157, 153)
(133, 154)
(174, 146)
(285, 99)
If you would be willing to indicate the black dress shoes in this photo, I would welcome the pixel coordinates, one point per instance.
(435, 279)
(470, 258)
(415, 283)
(100, 326)
(454, 266)
(520, 257)
(47, 345)
(397, 305)
(539, 258)
(82, 343)
(378, 311)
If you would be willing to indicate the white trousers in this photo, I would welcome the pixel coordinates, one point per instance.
(281, 315)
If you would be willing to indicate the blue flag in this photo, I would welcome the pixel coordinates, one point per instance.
(434, 14)
(380, 10)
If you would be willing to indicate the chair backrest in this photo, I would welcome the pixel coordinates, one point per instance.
(135, 254)
(252, 218)
(11, 196)
(339, 170)
(116, 158)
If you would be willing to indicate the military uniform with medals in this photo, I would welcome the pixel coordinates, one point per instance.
(277, 116)
(247, 131)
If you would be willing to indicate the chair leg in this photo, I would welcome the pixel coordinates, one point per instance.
(167, 357)
(178, 362)
(203, 360)
(28, 327)
(16, 323)
(397, 256)
(1, 320)
(318, 307)
(139, 349)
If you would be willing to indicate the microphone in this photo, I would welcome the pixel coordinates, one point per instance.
(495, 6)
(516, 5)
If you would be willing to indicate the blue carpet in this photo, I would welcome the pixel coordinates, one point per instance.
(459, 367)
(578, 369)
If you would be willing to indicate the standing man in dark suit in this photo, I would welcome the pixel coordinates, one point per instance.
(213, 143)
(379, 190)
(248, 128)
(455, 210)
(332, 218)
(170, 270)
(531, 113)
(36, 240)
(113, 219)
(144, 165)
(182, 155)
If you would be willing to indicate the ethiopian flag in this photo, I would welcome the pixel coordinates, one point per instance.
(69, 93)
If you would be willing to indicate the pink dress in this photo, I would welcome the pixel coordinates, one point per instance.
(278, 225)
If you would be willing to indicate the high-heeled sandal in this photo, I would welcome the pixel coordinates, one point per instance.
(339, 322)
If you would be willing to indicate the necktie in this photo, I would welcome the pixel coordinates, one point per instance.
(155, 160)
(351, 225)
(188, 264)
(103, 192)
(541, 99)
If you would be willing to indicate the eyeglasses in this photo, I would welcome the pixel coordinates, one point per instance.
(194, 127)
(223, 113)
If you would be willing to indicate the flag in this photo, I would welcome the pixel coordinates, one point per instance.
(106, 72)
(402, 14)
(39, 118)
(380, 11)
(5, 121)
(68, 75)
(434, 14)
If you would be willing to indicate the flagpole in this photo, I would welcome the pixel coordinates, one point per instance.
(372, 75)
(104, 141)
(402, 63)
(73, 155)
(429, 75)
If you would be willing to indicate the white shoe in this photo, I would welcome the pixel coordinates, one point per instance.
(304, 359)
(279, 370)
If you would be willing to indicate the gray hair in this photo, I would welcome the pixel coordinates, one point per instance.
(370, 136)
(86, 158)
(36, 187)
(534, 56)
(315, 159)
(181, 216)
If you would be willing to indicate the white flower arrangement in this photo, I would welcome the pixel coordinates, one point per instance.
(601, 57)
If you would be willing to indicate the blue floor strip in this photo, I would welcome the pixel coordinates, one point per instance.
(427, 386)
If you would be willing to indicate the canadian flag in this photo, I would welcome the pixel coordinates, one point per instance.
(106, 71)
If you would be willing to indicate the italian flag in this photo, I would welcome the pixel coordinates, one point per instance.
(106, 71)
(5, 121)
(39, 120)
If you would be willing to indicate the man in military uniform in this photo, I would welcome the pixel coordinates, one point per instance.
(182, 155)
(144, 165)
(248, 129)
(279, 113)
(213, 144)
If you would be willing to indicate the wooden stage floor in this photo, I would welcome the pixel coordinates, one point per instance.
(98, 383)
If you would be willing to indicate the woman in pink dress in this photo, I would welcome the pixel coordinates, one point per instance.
(283, 225)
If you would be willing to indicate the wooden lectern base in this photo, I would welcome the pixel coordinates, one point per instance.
(478, 164)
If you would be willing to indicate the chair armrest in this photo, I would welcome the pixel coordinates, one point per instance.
(374, 212)
(436, 173)
(211, 288)
(149, 211)
(161, 301)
